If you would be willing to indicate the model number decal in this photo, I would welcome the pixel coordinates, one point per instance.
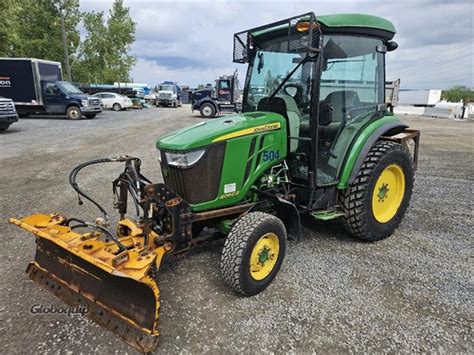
(230, 194)
(270, 155)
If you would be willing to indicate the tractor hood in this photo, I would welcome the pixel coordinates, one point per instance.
(221, 129)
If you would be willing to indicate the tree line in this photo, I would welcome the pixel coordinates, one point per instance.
(458, 93)
(98, 54)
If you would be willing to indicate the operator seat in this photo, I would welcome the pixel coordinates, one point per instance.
(286, 106)
(340, 101)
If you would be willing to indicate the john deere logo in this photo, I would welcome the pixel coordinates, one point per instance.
(5, 82)
(267, 127)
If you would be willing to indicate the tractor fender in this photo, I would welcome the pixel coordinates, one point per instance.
(389, 125)
(289, 215)
(285, 211)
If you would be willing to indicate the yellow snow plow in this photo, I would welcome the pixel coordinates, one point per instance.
(118, 288)
(113, 271)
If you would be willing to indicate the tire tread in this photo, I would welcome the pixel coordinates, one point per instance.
(352, 199)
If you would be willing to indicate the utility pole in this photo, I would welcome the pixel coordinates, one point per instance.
(63, 30)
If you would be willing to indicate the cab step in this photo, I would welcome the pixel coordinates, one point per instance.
(326, 215)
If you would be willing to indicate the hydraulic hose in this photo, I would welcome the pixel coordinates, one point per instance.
(95, 226)
(75, 186)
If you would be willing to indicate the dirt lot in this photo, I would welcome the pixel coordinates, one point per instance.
(410, 293)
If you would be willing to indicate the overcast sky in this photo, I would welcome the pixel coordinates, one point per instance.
(191, 41)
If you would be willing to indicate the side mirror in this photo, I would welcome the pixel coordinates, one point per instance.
(391, 46)
(325, 113)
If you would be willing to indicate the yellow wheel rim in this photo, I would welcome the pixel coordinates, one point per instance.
(264, 256)
(388, 193)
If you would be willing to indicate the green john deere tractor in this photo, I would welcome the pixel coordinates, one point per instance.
(318, 139)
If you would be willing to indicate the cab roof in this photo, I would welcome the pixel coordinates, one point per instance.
(347, 23)
(356, 20)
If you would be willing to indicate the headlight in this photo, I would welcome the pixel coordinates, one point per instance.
(184, 160)
(85, 102)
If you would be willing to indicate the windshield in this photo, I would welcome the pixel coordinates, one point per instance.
(68, 88)
(272, 66)
(166, 87)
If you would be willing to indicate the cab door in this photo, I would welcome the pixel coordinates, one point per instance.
(224, 91)
(351, 92)
(54, 98)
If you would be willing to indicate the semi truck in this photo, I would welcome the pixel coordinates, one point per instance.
(169, 94)
(224, 97)
(36, 87)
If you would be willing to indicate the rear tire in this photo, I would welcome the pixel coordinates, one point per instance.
(4, 126)
(376, 202)
(74, 113)
(253, 252)
(207, 110)
(117, 107)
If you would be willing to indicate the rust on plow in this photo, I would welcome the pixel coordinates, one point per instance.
(118, 287)
(140, 340)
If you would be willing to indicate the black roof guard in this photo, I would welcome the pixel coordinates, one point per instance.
(297, 41)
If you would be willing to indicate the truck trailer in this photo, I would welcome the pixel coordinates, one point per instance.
(420, 97)
(36, 87)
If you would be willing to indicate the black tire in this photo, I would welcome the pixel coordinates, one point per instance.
(90, 115)
(4, 126)
(117, 107)
(74, 113)
(238, 247)
(175, 105)
(356, 201)
(207, 110)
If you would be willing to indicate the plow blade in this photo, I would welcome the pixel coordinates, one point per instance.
(127, 304)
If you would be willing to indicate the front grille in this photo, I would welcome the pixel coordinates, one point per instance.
(7, 106)
(164, 95)
(94, 102)
(201, 182)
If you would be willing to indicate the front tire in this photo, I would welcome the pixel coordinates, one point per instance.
(4, 126)
(117, 107)
(74, 113)
(374, 205)
(207, 110)
(253, 252)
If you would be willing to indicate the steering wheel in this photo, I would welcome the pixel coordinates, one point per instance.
(297, 93)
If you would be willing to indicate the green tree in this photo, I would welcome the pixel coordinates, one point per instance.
(6, 29)
(104, 52)
(458, 93)
(34, 29)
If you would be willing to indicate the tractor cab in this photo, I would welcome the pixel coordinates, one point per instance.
(326, 76)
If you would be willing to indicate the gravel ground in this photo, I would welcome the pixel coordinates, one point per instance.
(410, 293)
